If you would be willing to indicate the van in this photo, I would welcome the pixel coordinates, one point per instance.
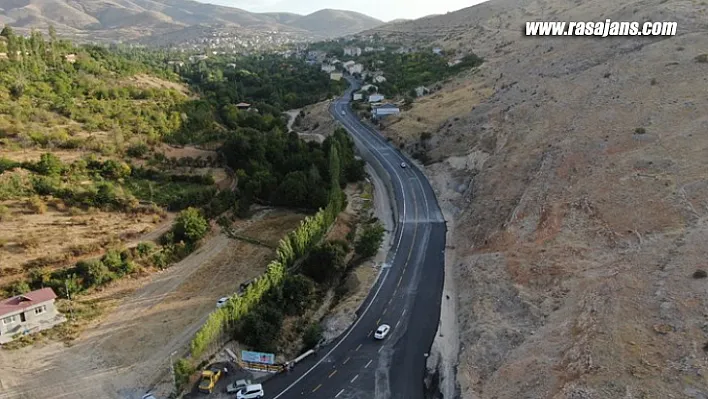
(251, 392)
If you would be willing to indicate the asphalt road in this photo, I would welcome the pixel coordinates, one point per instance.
(406, 296)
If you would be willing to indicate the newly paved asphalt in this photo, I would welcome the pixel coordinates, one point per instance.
(406, 296)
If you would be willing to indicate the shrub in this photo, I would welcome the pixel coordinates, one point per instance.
(137, 150)
(370, 240)
(36, 205)
(183, 370)
(19, 288)
(49, 165)
(324, 263)
(190, 226)
(312, 336)
(700, 274)
(640, 130)
(112, 260)
(5, 213)
(93, 272)
(145, 248)
(702, 58)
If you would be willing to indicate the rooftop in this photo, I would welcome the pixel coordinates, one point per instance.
(21, 302)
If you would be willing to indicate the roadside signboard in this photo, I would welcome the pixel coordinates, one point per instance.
(258, 357)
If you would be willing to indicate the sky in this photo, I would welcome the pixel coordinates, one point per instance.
(385, 10)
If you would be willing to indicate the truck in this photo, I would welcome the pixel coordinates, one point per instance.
(209, 379)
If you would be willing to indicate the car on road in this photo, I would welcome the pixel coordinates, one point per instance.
(343, 113)
(221, 302)
(209, 379)
(382, 331)
(254, 391)
(238, 385)
(404, 165)
(149, 396)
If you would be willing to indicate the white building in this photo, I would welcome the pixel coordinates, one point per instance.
(335, 76)
(356, 68)
(379, 79)
(366, 87)
(437, 50)
(348, 64)
(357, 96)
(376, 97)
(386, 110)
(328, 68)
(352, 51)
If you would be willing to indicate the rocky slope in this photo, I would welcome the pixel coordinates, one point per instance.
(574, 171)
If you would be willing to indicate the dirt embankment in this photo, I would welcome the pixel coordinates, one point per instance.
(128, 351)
(576, 180)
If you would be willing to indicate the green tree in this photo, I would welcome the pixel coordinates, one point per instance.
(190, 226)
(49, 165)
(297, 294)
(19, 288)
(93, 272)
(324, 263)
(312, 336)
(370, 240)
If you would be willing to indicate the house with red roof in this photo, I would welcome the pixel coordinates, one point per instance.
(28, 313)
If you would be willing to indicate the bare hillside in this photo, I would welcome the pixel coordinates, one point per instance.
(574, 171)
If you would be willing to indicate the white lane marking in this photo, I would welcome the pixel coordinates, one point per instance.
(398, 322)
(404, 312)
(367, 364)
(380, 349)
(340, 392)
(354, 379)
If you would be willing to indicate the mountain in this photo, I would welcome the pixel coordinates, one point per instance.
(573, 175)
(133, 19)
(335, 23)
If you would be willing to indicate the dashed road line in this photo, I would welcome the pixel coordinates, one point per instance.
(332, 373)
(367, 364)
(317, 387)
(345, 361)
(358, 347)
(354, 379)
(340, 392)
(369, 333)
(384, 311)
(397, 323)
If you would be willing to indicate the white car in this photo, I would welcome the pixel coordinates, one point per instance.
(251, 392)
(221, 302)
(382, 331)
(404, 165)
(343, 113)
(234, 387)
(149, 396)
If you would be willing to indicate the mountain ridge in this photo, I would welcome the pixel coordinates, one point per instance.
(116, 19)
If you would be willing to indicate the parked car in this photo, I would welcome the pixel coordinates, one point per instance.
(221, 302)
(382, 331)
(403, 165)
(254, 391)
(209, 379)
(234, 387)
(149, 396)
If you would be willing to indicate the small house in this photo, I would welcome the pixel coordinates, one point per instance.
(437, 51)
(385, 110)
(328, 68)
(28, 313)
(376, 97)
(379, 79)
(337, 76)
(357, 96)
(243, 105)
(70, 58)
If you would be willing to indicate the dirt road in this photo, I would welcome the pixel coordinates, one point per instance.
(129, 350)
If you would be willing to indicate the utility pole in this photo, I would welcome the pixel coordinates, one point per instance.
(68, 296)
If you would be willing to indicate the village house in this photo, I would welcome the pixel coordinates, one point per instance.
(28, 313)
(335, 76)
(368, 49)
(385, 110)
(437, 50)
(367, 87)
(348, 64)
(243, 105)
(379, 79)
(356, 68)
(70, 58)
(375, 97)
(178, 63)
(328, 68)
(352, 51)
(200, 57)
(357, 96)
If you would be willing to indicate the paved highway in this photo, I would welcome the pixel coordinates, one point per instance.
(406, 296)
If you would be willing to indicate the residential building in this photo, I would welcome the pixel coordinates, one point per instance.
(328, 68)
(421, 91)
(243, 105)
(367, 87)
(28, 313)
(356, 68)
(352, 51)
(379, 79)
(385, 110)
(178, 63)
(70, 58)
(357, 96)
(368, 49)
(335, 76)
(376, 97)
(199, 57)
(437, 50)
(347, 64)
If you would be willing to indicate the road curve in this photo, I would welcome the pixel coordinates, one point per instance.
(406, 295)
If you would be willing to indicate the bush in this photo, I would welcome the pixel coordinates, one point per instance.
(145, 248)
(370, 240)
(49, 165)
(183, 370)
(93, 272)
(137, 150)
(36, 205)
(190, 226)
(325, 263)
(702, 58)
(700, 274)
(19, 288)
(312, 336)
(261, 327)
(640, 130)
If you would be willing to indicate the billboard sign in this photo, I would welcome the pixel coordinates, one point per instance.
(258, 357)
